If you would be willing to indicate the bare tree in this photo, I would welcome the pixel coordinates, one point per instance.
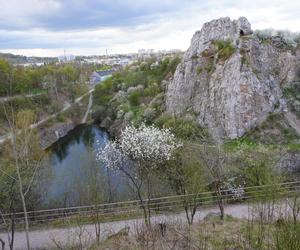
(9, 225)
(215, 161)
(187, 178)
(294, 204)
(25, 153)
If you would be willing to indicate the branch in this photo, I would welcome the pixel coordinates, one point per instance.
(1, 170)
(32, 179)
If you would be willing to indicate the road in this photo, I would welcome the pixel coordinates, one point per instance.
(65, 108)
(45, 238)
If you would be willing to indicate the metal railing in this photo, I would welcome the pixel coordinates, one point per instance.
(160, 205)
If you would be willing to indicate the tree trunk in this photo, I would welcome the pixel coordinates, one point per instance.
(138, 191)
(221, 206)
(11, 237)
(97, 226)
(186, 208)
(21, 191)
(109, 186)
(149, 201)
(2, 244)
(295, 209)
(25, 215)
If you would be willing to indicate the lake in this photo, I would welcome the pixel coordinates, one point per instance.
(73, 177)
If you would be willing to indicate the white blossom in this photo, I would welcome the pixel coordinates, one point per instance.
(144, 145)
(148, 143)
(111, 156)
(236, 191)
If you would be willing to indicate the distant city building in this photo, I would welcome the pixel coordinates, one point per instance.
(146, 51)
(110, 60)
(66, 58)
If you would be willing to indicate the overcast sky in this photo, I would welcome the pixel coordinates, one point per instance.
(47, 27)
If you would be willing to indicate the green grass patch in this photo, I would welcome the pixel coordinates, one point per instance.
(225, 49)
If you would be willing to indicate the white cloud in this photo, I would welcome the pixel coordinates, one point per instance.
(165, 31)
(22, 13)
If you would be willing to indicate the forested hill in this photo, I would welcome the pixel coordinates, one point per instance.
(18, 59)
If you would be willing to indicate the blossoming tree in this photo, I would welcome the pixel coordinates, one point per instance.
(138, 153)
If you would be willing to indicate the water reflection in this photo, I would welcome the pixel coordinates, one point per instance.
(75, 178)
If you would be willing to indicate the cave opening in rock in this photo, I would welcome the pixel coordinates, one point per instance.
(242, 33)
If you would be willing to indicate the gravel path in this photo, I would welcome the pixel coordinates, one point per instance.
(88, 109)
(44, 239)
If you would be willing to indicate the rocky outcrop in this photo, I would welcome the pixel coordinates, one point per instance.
(50, 135)
(290, 163)
(230, 79)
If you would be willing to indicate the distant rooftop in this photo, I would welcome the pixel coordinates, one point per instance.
(105, 72)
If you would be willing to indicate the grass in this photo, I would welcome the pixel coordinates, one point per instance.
(210, 66)
(225, 49)
(209, 234)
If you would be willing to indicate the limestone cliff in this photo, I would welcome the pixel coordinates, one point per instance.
(230, 79)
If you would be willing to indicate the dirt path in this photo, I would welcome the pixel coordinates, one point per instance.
(88, 109)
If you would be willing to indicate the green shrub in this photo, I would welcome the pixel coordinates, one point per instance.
(104, 92)
(42, 100)
(137, 114)
(184, 129)
(292, 91)
(60, 118)
(210, 66)
(225, 49)
(287, 236)
(152, 90)
(199, 71)
(134, 98)
(21, 103)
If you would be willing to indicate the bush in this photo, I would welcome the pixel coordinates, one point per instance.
(184, 129)
(42, 100)
(152, 90)
(20, 103)
(104, 92)
(60, 118)
(210, 67)
(134, 98)
(149, 115)
(287, 236)
(225, 49)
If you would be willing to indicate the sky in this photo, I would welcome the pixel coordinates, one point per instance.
(88, 27)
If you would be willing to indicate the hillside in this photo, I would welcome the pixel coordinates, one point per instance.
(18, 59)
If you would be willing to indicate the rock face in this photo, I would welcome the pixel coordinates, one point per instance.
(230, 79)
(50, 135)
